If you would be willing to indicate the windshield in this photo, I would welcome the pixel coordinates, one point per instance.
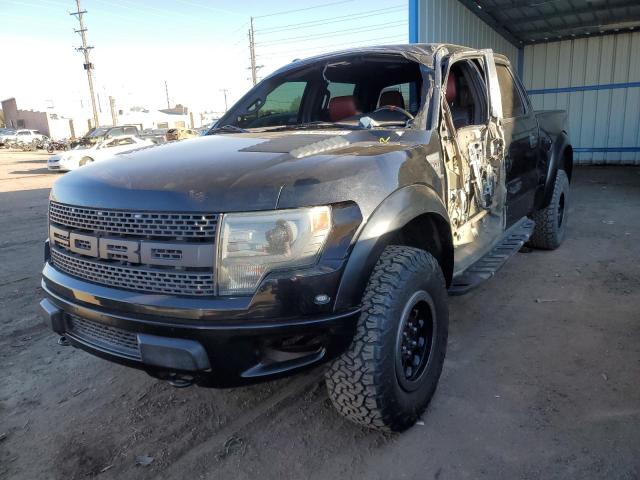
(333, 93)
(98, 132)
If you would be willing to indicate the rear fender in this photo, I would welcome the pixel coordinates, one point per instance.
(380, 230)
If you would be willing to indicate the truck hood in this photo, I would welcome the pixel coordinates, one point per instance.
(241, 172)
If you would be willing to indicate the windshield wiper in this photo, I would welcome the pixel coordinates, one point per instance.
(227, 129)
(316, 124)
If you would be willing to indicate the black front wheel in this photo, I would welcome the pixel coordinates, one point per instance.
(388, 375)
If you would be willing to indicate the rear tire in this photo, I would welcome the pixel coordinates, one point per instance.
(551, 222)
(388, 375)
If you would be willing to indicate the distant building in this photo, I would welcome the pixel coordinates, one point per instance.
(177, 110)
(50, 124)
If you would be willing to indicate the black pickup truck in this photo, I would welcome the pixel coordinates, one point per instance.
(325, 218)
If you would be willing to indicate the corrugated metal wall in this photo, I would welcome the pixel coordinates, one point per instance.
(604, 118)
(448, 21)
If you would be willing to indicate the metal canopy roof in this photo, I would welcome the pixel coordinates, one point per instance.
(525, 22)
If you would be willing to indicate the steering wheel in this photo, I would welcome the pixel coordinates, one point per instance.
(393, 108)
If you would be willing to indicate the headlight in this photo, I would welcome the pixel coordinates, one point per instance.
(254, 244)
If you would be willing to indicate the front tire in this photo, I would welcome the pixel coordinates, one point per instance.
(551, 222)
(85, 161)
(388, 375)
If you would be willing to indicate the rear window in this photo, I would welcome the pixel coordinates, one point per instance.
(409, 94)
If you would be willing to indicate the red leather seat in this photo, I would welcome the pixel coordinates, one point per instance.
(342, 107)
(451, 88)
(392, 98)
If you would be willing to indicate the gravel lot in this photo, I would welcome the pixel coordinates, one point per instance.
(542, 378)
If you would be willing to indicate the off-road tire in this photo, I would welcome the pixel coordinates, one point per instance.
(551, 222)
(85, 161)
(364, 383)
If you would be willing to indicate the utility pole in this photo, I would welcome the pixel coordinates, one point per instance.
(114, 115)
(166, 90)
(224, 91)
(88, 66)
(252, 54)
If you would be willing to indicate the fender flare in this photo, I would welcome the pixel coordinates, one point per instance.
(380, 229)
(556, 162)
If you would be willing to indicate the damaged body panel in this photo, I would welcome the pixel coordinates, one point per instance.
(322, 218)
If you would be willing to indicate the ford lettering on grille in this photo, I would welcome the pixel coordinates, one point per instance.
(179, 254)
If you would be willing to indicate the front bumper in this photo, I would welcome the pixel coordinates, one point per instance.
(182, 338)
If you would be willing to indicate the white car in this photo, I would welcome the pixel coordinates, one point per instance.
(23, 135)
(84, 155)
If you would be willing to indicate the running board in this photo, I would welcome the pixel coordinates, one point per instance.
(488, 265)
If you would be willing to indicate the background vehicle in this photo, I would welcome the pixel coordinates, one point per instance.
(324, 219)
(180, 134)
(156, 135)
(23, 135)
(99, 134)
(83, 155)
(53, 145)
(6, 134)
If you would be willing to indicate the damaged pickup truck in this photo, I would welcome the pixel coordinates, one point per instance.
(325, 218)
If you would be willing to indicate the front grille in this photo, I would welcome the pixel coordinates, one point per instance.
(104, 336)
(169, 281)
(148, 224)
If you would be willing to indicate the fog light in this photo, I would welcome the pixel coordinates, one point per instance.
(322, 299)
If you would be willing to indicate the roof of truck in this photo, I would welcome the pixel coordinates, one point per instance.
(419, 52)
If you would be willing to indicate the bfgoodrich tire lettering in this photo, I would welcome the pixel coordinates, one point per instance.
(372, 383)
(551, 222)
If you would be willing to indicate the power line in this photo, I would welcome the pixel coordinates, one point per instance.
(303, 9)
(289, 52)
(325, 21)
(88, 66)
(304, 38)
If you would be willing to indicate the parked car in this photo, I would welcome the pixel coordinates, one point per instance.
(156, 135)
(82, 155)
(6, 134)
(23, 136)
(98, 134)
(180, 134)
(325, 218)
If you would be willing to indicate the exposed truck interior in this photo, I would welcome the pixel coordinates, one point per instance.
(473, 145)
(386, 88)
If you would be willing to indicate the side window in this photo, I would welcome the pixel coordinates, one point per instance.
(280, 107)
(512, 105)
(129, 131)
(23, 133)
(116, 132)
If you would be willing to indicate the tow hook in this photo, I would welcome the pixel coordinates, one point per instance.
(63, 341)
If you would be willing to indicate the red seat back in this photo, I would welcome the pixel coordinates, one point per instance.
(342, 107)
(451, 88)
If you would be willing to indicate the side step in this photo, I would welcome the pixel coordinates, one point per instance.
(488, 265)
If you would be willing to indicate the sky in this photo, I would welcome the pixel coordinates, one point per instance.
(199, 47)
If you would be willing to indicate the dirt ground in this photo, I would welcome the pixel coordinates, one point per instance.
(541, 381)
